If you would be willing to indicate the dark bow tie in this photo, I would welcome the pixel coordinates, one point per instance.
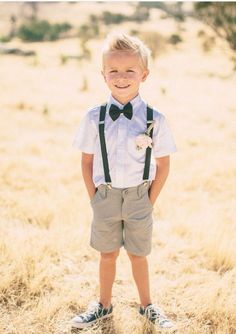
(115, 111)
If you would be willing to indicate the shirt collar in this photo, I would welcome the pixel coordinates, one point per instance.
(136, 101)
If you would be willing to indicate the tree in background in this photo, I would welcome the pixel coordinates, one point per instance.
(221, 17)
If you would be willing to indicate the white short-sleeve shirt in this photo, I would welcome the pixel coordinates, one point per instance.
(126, 163)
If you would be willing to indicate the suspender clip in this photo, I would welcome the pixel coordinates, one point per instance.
(109, 186)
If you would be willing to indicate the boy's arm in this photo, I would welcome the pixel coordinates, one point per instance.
(163, 166)
(87, 172)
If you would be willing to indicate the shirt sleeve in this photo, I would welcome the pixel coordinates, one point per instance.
(86, 135)
(163, 141)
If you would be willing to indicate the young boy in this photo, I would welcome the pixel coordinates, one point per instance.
(124, 170)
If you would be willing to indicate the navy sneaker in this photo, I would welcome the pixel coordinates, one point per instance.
(157, 317)
(94, 312)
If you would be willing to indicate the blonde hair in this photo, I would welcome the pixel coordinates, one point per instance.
(123, 42)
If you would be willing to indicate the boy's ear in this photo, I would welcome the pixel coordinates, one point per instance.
(145, 74)
(102, 73)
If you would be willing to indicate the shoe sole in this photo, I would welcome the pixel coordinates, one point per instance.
(85, 325)
(170, 330)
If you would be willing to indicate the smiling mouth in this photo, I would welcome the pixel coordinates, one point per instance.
(122, 87)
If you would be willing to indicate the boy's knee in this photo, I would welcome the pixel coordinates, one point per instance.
(112, 256)
(136, 258)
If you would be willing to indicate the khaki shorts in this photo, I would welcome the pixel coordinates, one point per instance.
(122, 217)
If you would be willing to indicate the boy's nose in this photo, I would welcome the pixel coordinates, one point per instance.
(122, 76)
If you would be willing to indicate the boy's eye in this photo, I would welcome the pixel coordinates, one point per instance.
(113, 71)
(130, 71)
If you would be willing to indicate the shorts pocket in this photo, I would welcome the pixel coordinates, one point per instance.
(148, 200)
(93, 199)
(100, 195)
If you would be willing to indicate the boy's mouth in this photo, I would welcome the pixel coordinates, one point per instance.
(122, 87)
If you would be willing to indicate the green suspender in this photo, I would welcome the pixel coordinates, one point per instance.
(148, 149)
(103, 143)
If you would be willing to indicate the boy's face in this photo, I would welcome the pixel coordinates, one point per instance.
(123, 72)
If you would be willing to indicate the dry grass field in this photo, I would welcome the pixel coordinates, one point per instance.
(48, 272)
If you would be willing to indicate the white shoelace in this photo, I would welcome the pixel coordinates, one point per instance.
(153, 311)
(93, 309)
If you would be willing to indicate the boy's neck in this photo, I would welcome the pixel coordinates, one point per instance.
(125, 100)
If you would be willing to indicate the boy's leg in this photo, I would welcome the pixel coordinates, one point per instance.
(147, 309)
(141, 277)
(102, 309)
(107, 272)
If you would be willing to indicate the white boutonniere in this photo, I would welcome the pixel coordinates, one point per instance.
(144, 140)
